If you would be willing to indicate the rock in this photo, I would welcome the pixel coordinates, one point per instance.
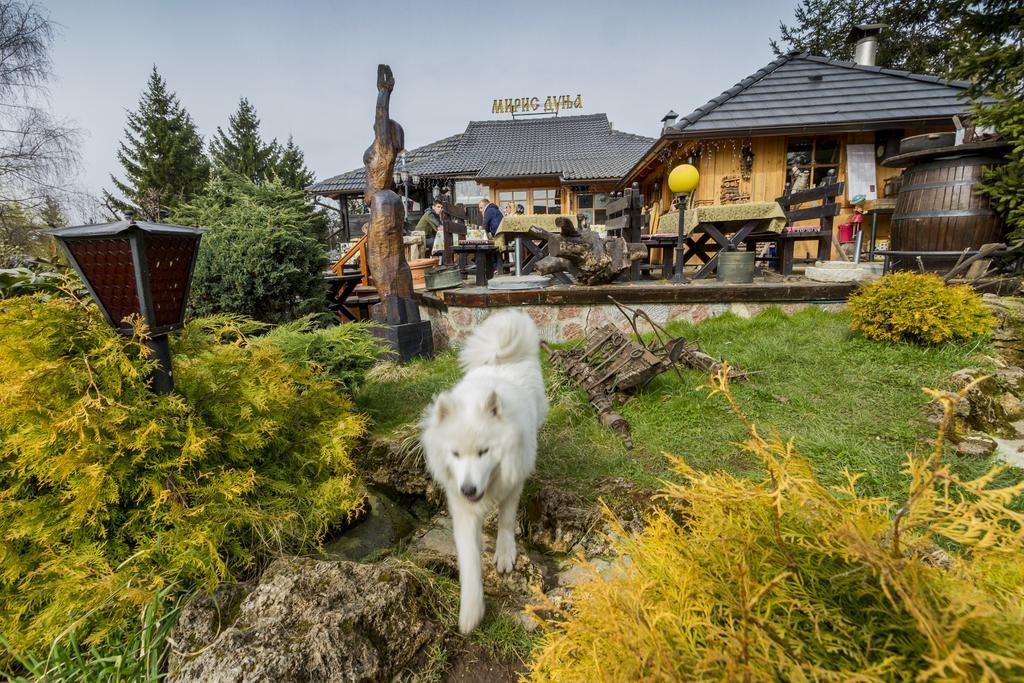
(434, 548)
(383, 526)
(395, 461)
(313, 620)
(557, 520)
(991, 405)
(561, 522)
(837, 271)
(977, 445)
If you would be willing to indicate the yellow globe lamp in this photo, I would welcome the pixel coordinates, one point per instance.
(683, 179)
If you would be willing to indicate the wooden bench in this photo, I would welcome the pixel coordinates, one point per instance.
(785, 242)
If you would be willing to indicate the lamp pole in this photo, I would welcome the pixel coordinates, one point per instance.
(682, 180)
(677, 274)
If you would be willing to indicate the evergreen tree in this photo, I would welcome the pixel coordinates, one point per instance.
(162, 155)
(991, 56)
(919, 34)
(51, 214)
(291, 167)
(241, 150)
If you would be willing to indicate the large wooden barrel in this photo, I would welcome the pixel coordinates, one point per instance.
(937, 209)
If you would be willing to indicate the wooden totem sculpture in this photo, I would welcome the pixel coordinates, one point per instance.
(385, 251)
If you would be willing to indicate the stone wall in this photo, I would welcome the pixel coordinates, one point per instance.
(566, 322)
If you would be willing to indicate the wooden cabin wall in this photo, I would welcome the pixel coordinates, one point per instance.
(721, 158)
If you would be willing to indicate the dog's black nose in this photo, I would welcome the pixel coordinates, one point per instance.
(469, 491)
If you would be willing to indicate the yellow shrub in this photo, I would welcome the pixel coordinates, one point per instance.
(918, 308)
(109, 492)
(787, 580)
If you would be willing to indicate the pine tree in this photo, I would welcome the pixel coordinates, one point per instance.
(241, 150)
(51, 214)
(991, 57)
(291, 167)
(919, 34)
(162, 155)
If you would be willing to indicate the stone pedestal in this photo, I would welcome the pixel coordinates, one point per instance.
(406, 341)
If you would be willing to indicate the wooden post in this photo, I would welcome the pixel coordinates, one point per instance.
(634, 225)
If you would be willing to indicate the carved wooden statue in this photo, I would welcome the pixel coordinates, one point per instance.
(384, 248)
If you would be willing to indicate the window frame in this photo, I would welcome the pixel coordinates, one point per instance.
(813, 164)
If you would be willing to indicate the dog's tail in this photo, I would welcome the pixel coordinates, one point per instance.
(504, 338)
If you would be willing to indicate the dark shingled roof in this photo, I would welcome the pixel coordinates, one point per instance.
(801, 91)
(568, 147)
(355, 180)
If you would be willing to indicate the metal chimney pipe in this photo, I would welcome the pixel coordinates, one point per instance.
(865, 50)
(865, 39)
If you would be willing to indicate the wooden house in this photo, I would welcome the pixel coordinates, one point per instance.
(558, 164)
(796, 123)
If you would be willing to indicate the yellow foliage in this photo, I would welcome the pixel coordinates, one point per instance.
(919, 308)
(109, 492)
(788, 580)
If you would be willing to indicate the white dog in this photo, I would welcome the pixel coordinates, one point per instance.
(480, 441)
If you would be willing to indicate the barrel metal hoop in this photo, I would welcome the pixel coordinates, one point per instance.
(955, 213)
(934, 186)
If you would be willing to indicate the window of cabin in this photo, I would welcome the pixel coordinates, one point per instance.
(547, 201)
(594, 206)
(470, 192)
(811, 161)
(537, 201)
(513, 199)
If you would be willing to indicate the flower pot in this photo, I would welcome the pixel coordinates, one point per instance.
(443, 277)
(419, 267)
(736, 267)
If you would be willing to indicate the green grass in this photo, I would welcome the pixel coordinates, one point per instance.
(847, 402)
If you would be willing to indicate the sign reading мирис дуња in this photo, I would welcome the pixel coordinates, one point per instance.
(553, 103)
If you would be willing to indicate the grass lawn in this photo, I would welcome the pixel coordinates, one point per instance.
(848, 403)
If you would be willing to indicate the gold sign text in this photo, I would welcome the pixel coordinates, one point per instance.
(553, 104)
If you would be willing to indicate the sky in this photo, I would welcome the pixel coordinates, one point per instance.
(309, 67)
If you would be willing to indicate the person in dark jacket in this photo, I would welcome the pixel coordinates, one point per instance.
(492, 216)
(431, 218)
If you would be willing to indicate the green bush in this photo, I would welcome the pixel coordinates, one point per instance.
(785, 579)
(262, 257)
(918, 308)
(342, 352)
(108, 492)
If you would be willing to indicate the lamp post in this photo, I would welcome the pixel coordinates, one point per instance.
(137, 268)
(682, 180)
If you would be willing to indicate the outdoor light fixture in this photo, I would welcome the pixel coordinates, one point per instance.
(415, 180)
(397, 178)
(137, 269)
(682, 180)
(405, 176)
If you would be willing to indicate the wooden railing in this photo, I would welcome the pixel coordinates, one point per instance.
(357, 248)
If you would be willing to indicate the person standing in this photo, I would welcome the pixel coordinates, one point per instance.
(492, 216)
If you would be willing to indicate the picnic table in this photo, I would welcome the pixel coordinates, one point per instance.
(513, 232)
(719, 228)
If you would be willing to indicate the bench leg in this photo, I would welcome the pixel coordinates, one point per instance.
(785, 254)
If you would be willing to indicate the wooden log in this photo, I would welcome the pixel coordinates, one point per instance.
(593, 259)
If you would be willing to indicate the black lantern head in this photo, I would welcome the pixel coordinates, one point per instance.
(135, 268)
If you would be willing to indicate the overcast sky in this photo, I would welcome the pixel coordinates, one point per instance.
(310, 67)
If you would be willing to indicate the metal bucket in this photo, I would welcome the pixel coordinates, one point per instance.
(443, 277)
(736, 267)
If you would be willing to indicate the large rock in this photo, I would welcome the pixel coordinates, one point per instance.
(309, 620)
(561, 522)
(395, 461)
(992, 404)
(434, 548)
(385, 523)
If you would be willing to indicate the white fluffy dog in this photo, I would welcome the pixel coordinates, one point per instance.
(480, 441)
